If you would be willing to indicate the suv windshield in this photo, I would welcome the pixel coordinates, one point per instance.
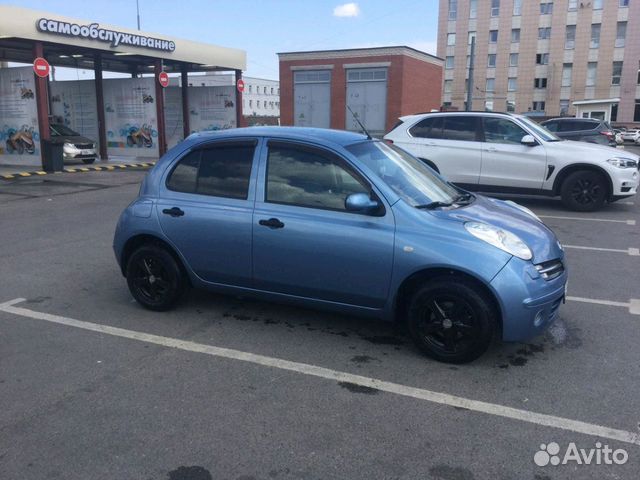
(407, 176)
(542, 132)
(62, 131)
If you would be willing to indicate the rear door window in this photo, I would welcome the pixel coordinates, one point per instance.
(217, 170)
(428, 128)
(460, 127)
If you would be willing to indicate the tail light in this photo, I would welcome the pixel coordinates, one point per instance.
(609, 135)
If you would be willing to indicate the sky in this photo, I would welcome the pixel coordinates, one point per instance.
(264, 28)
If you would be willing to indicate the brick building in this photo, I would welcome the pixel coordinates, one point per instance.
(378, 84)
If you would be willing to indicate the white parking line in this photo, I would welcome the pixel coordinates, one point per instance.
(326, 373)
(633, 305)
(633, 252)
(587, 219)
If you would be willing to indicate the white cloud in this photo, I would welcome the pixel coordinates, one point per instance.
(347, 10)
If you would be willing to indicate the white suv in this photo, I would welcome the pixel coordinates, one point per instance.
(501, 152)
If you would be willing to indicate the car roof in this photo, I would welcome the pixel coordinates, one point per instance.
(339, 137)
(573, 119)
(450, 114)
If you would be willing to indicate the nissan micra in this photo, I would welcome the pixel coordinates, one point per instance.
(337, 220)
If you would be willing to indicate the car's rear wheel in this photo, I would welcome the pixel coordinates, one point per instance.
(584, 191)
(451, 320)
(155, 278)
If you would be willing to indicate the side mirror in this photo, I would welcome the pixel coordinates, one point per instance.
(529, 141)
(361, 203)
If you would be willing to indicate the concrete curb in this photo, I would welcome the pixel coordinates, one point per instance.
(106, 168)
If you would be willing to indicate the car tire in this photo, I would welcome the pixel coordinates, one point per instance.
(88, 161)
(584, 191)
(451, 320)
(155, 278)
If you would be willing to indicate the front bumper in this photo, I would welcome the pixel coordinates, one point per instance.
(625, 182)
(529, 304)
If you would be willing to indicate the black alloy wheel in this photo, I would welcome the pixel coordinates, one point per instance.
(451, 320)
(155, 278)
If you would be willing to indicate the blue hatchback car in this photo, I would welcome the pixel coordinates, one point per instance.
(337, 220)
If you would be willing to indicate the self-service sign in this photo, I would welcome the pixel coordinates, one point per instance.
(41, 67)
(163, 79)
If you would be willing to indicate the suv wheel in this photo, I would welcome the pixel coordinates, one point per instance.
(155, 278)
(584, 191)
(451, 320)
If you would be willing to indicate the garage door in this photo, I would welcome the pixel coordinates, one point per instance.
(367, 97)
(312, 98)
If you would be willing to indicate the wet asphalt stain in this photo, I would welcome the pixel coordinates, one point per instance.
(360, 359)
(384, 340)
(537, 476)
(517, 361)
(445, 472)
(562, 335)
(355, 388)
(190, 473)
(522, 355)
(38, 299)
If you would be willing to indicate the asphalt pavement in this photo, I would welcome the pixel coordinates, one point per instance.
(92, 386)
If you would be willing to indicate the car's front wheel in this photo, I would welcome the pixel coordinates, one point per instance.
(155, 278)
(584, 191)
(451, 320)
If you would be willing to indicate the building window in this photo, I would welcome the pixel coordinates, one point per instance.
(448, 84)
(617, 73)
(621, 34)
(468, 61)
(250, 103)
(495, 8)
(570, 37)
(250, 88)
(542, 59)
(491, 61)
(624, 3)
(493, 36)
(614, 112)
(564, 108)
(511, 106)
(517, 8)
(538, 106)
(271, 90)
(597, 4)
(513, 60)
(473, 8)
(592, 69)
(449, 63)
(636, 112)
(546, 8)
(567, 72)
(638, 79)
(491, 84)
(544, 33)
(512, 84)
(515, 35)
(540, 83)
(595, 35)
(470, 37)
(451, 39)
(453, 9)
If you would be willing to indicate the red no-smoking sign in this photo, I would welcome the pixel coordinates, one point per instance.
(41, 67)
(163, 79)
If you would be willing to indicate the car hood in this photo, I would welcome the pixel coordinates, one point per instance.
(592, 151)
(506, 215)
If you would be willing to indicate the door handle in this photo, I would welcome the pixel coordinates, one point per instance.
(174, 212)
(271, 223)
(491, 149)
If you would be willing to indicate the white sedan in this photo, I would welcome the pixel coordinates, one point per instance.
(632, 135)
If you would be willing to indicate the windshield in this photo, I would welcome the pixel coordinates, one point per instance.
(539, 130)
(407, 176)
(61, 130)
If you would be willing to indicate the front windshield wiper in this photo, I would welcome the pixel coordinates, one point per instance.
(433, 205)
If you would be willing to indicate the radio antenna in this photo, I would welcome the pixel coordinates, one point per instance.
(355, 117)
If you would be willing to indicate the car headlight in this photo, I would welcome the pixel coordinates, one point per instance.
(69, 147)
(623, 162)
(499, 238)
(523, 209)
